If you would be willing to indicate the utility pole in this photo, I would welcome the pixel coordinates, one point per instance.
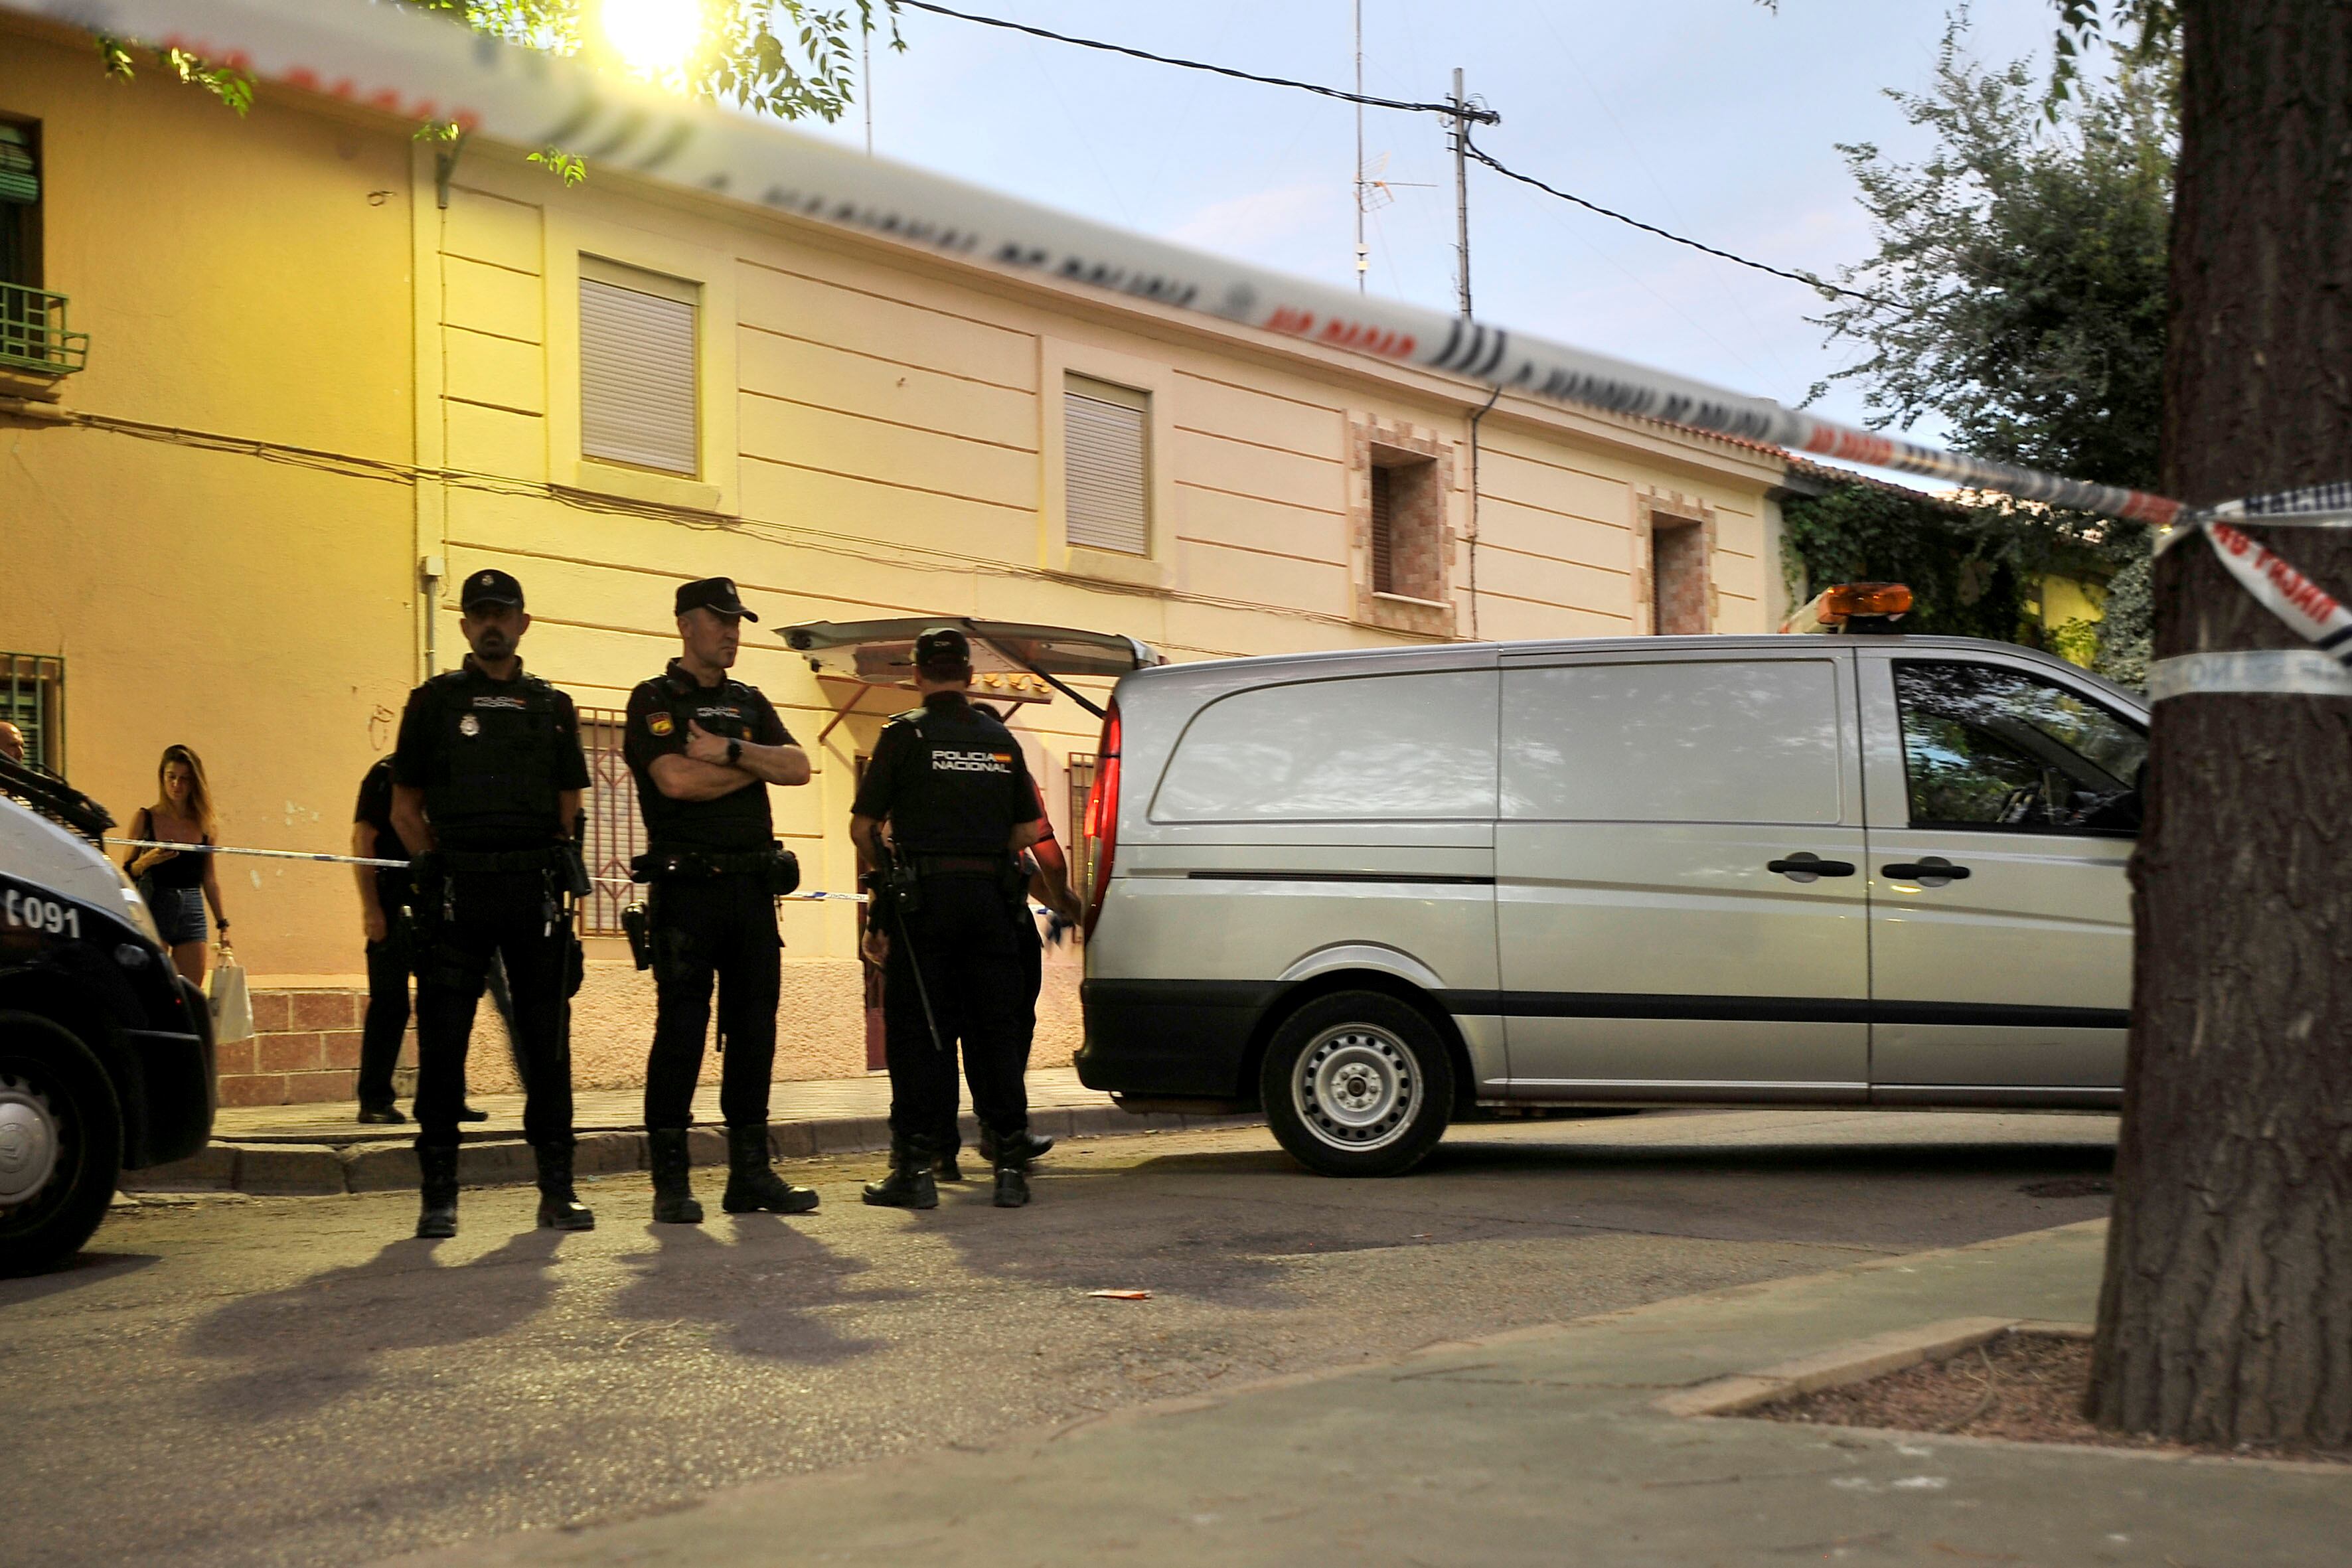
(1363, 251)
(1461, 185)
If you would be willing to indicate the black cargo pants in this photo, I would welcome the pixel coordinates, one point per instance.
(511, 915)
(707, 928)
(978, 969)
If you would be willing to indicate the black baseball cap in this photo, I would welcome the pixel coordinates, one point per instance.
(714, 594)
(943, 648)
(490, 587)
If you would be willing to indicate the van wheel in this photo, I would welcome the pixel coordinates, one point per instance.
(60, 1143)
(1357, 1084)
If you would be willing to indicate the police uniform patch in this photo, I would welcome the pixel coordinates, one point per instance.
(660, 724)
(469, 726)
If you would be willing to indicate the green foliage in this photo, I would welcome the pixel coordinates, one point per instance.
(2025, 269)
(561, 164)
(2081, 25)
(1975, 568)
(2129, 628)
(804, 70)
(228, 84)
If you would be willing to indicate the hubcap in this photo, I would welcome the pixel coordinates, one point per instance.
(28, 1143)
(1356, 1088)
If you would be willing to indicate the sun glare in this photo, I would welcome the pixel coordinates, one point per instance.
(653, 36)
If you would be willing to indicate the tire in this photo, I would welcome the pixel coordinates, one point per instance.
(60, 1143)
(1358, 1083)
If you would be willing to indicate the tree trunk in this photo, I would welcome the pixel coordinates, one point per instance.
(2226, 1315)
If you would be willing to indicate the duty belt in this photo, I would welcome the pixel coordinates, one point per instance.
(653, 868)
(500, 859)
(961, 865)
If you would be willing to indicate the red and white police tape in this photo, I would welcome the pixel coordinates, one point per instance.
(404, 63)
(2323, 669)
(403, 865)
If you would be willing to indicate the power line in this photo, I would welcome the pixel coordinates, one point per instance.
(1807, 278)
(1478, 116)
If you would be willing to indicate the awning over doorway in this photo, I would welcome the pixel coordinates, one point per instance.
(1011, 661)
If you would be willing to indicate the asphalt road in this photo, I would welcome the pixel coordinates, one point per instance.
(231, 1380)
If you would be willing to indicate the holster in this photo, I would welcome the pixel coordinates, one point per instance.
(784, 872)
(636, 924)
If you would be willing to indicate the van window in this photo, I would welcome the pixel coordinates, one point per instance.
(1384, 747)
(1700, 740)
(1988, 747)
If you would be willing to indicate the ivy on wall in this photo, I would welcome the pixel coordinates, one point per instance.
(1975, 568)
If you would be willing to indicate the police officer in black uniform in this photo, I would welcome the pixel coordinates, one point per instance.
(704, 749)
(953, 934)
(487, 781)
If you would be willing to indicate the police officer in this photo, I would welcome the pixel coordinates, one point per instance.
(704, 749)
(487, 781)
(954, 945)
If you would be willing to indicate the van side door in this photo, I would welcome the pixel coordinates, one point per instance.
(1679, 907)
(2004, 801)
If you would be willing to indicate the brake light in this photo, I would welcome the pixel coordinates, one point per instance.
(1102, 818)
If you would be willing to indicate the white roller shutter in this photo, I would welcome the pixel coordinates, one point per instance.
(636, 378)
(1107, 432)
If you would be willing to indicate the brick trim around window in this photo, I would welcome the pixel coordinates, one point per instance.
(1657, 513)
(1419, 561)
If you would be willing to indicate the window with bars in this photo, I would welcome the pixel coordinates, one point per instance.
(1081, 848)
(33, 698)
(615, 833)
(1107, 438)
(638, 403)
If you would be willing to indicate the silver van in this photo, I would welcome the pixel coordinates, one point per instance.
(1377, 892)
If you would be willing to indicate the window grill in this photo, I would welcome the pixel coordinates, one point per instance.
(616, 834)
(32, 697)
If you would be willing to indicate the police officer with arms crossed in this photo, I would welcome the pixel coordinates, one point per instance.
(487, 780)
(956, 792)
(704, 749)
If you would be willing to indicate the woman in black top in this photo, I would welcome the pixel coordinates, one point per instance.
(176, 884)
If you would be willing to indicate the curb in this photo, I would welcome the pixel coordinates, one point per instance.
(1857, 1360)
(310, 1170)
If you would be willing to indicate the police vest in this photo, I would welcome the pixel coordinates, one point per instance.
(498, 746)
(960, 788)
(738, 820)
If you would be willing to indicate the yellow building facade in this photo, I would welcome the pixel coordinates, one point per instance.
(332, 371)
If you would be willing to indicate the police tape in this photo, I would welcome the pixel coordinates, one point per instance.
(403, 865)
(2323, 669)
(402, 62)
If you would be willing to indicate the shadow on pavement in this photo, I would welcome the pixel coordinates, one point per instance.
(82, 1268)
(1468, 1153)
(760, 1292)
(311, 1344)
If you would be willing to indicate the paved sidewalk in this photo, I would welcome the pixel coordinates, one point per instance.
(1543, 1445)
(615, 1109)
(299, 1150)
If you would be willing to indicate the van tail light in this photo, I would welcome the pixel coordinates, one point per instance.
(1102, 818)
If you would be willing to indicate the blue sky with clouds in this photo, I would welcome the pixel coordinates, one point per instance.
(1712, 117)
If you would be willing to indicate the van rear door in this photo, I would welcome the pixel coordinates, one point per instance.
(1680, 912)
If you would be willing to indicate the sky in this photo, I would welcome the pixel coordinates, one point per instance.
(1716, 118)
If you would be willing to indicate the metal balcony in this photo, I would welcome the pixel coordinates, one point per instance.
(33, 336)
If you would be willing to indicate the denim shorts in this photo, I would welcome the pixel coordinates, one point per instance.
(179, 914)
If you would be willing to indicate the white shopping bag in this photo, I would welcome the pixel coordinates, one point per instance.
(232, 1004)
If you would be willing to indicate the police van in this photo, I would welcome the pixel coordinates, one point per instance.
(106, 1056)
(1377, 892)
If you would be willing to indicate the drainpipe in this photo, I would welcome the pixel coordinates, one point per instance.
(1476, 415)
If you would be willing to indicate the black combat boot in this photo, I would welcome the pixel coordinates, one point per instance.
(753, 1183)
(673, 1187)
(559, 1207)
(438, 1218)
(909, 1185)
(1012, 1178)
(945, 1165)
(1030, 1145)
